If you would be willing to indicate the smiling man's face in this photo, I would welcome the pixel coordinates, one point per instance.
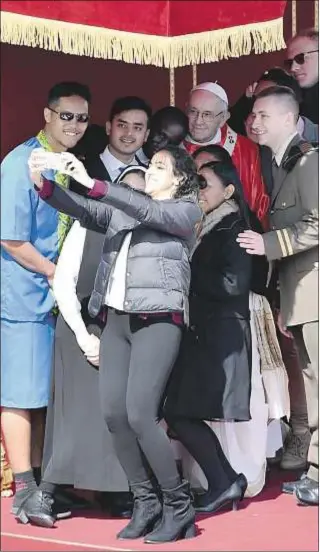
(127, 132)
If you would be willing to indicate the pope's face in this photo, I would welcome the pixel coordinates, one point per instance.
(206, 115)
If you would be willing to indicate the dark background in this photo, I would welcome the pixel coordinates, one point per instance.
(28, 73)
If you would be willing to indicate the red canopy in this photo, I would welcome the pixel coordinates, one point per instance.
(158, 32)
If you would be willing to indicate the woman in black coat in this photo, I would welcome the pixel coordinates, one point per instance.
(212, 377)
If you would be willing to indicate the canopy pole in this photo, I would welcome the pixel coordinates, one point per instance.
(172, 86)
(293, 17)
(194, 76)
(316, 15)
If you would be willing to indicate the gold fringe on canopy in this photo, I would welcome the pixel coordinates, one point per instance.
(170, 52)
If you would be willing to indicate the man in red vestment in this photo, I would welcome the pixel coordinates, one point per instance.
(208, 113)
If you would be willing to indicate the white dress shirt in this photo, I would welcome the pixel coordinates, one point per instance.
(279, 155)
(113, 165)
(116, 289)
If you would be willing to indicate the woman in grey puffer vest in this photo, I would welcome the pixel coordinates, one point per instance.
(143, 281)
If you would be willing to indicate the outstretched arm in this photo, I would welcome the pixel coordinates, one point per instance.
(176, 217)
(91, 214)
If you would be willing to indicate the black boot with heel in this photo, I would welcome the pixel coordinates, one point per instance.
(146, 513)
(178, 517)
(232, 496)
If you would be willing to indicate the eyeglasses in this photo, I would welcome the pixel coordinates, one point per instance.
(299, 59)
(68, 116)
(207, 116)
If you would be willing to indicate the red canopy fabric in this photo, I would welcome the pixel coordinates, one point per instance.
(160, 32)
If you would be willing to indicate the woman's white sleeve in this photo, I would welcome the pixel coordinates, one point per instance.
(66, 279)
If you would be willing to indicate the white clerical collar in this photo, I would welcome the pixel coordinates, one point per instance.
(279, 155)
(215, 140)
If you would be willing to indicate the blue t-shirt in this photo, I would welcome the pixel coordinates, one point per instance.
(25, 295)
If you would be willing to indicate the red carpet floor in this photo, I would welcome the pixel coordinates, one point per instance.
(272, 521)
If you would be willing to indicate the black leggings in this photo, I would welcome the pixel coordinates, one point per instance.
(203, 444)
(137, 357)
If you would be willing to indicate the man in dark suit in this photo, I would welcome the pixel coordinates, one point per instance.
(293, 243)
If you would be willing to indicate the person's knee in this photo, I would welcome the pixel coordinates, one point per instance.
(114, 415)
(140, 419)
(116, 421)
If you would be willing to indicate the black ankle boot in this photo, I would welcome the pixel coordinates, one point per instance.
(147, 511)
(178, 516)
(230, 496)
(35, 507)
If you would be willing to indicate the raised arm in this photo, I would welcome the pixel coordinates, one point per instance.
(91, 214)
(175, 216)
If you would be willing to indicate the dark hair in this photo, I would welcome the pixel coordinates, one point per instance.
(228, 174)
(281, 78)
(166, 116)
(219, 152)
(184, 165)
(67, 89)
(128, 103)
(283, 93)
(93, 142)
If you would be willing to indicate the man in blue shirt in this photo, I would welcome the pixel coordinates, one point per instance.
(31, 236)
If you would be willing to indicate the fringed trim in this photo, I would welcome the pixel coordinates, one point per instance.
(170, 52)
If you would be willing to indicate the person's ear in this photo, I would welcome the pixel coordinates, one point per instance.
(47, 115)
(224, 117)
(108, 128)
(229, 191)
(146, 135)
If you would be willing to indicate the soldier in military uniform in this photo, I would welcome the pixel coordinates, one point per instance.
(292, 243)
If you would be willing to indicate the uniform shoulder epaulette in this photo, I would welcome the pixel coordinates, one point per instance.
(298, 151)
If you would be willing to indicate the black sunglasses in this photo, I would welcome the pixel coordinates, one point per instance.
(68, 116)
(299, 59)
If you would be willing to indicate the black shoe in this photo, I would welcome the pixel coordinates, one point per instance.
(308, 494)
(290, 486)
(70, 501)
(178, 517)
(60, 510)
(146, 513)
(35, 507)
(231, 496)
(120, 505)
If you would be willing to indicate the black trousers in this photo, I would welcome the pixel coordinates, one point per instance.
(137, 357)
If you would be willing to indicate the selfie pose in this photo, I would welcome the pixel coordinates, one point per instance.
(143, 283)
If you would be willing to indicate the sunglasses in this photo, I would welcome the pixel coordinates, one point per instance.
(299, 59)
(68, 116)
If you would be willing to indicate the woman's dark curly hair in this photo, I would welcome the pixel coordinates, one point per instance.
(228, 174)
(184, 166)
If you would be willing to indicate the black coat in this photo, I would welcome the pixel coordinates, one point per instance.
(212, 376)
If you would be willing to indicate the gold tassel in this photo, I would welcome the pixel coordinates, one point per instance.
(194, 76)
(97, 42)
(172, 87)
(293, 17)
